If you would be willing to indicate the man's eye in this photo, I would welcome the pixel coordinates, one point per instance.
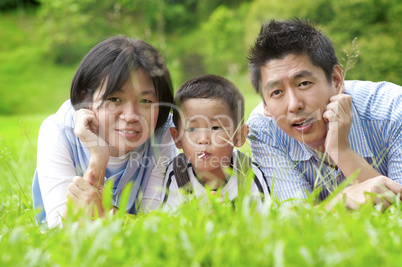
(114, 99)
(191, 129)
(276, 92)
(304, 83)
(145, 101)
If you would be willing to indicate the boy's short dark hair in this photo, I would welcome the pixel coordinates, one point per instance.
(210, 87)
(278, 39)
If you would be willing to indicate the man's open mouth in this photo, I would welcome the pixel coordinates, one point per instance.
(303, 123)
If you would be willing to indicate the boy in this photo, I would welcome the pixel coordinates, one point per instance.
(208, 124)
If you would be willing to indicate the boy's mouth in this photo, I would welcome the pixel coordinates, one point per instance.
(204, 155)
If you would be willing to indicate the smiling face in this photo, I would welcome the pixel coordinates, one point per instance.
(295, 93)
(128, 116)
(207, 135)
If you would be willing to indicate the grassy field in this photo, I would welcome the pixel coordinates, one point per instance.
(194, 236)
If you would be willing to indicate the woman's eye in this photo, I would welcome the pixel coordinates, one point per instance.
(114, 99)
(145, 101)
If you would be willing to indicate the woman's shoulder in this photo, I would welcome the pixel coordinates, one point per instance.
(63, 116)
(60, 123)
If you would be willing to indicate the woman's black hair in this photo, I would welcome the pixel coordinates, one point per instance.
(113, 61)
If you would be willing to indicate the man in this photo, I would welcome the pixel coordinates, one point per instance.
(313, 130)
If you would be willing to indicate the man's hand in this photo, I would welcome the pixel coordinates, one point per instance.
(338, 115)
(376, 190)
(86, 194)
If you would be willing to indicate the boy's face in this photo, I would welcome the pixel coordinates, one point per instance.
(296, 93)
(207, 134)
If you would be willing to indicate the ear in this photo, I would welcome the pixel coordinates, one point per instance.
(337, 80)
(176, 137)
(241, 135)
(266, 112)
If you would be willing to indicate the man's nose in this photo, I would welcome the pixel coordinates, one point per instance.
(295, 101)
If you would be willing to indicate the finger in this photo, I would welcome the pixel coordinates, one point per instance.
(329, 116)
(393, 186)
(383, 195)
(80, 183)
(74, 198)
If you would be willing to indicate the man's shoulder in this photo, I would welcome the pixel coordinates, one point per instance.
(376, 100)
(257, 119)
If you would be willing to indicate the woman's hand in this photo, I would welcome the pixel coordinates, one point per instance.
(86, 194)
(86, 129)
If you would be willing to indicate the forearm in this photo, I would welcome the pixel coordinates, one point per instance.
(348, 161)
(97, 165)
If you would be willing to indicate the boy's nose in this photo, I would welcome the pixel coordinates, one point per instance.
(204, 139)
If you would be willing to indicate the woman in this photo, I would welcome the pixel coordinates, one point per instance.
(115, 126)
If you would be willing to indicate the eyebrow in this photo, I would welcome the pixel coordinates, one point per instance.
(148, 92)
(300, 74)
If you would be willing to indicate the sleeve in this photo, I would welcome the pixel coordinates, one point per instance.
(153, 190)
(395, 154)
(285, 180)
(55, 170)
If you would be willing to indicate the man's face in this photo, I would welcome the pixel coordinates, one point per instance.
(296, 93)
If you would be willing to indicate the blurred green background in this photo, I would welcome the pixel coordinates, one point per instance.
(43, 41)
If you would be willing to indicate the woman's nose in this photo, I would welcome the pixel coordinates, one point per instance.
(130, 113)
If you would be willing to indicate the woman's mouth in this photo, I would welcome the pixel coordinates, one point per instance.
(128, 133)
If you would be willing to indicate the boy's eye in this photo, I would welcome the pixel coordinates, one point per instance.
(191, 129)
(216, 128)
(114, 99)
(145, 101)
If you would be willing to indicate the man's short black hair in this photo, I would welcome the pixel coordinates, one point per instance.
(278, 39)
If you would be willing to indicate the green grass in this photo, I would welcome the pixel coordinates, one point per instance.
(30, 83)
(211, 235)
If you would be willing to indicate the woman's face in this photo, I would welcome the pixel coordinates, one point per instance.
(128, 116)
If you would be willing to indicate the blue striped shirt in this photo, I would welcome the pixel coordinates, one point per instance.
(293, 170)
